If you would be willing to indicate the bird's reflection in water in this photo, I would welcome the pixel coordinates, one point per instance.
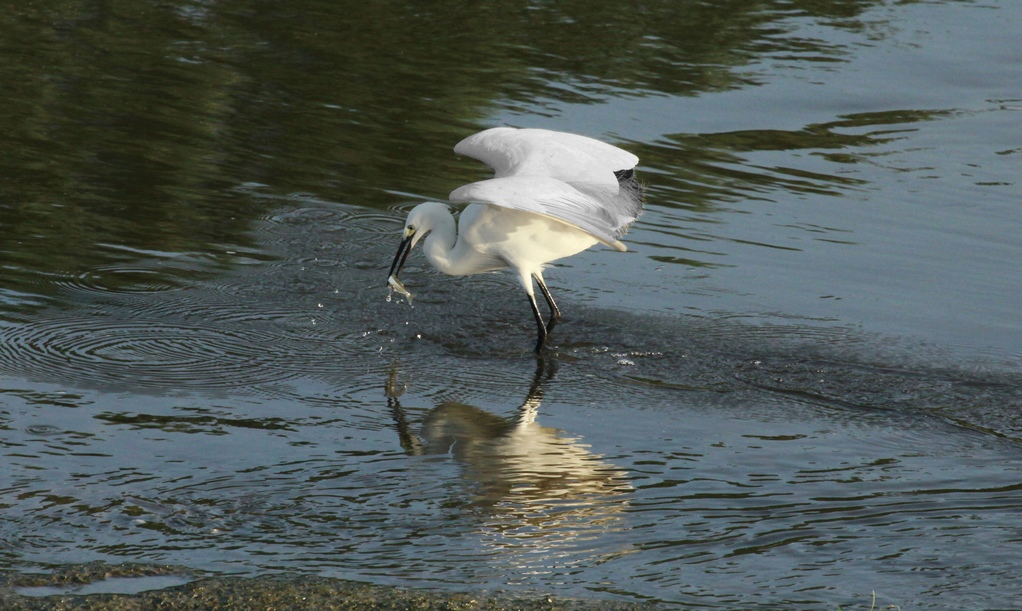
(535, 489)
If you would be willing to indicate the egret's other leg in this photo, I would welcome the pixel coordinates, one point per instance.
(555, 313)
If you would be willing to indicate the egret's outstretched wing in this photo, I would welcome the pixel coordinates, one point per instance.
(539, 152)
(593, 208)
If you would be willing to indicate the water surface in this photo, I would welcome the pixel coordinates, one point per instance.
(800, 386)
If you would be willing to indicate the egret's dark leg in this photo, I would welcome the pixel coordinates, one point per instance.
(539, 323)
(555, 313)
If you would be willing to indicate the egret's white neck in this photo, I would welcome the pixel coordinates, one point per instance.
(438, 246)
(452, 254)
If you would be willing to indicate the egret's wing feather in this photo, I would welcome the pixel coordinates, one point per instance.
(620, 206)
(592, 208)
(538, 152)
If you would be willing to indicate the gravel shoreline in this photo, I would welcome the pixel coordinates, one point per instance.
(265, 593)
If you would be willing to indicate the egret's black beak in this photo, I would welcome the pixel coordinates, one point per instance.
(402, 255)
(399, 262)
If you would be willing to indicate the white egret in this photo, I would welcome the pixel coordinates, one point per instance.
(553, 195)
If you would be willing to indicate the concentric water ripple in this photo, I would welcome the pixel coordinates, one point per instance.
(138, 354)
(333, 214)
(117, 280)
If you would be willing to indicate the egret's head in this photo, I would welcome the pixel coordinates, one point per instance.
(421, 220)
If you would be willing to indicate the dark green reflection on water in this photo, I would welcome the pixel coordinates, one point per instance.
(703, 172)
(133, 124)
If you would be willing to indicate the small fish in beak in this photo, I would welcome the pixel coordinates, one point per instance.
(399, 262)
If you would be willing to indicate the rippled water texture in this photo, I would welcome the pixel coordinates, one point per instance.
(800, 387)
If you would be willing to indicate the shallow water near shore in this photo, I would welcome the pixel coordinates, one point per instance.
(801, 385)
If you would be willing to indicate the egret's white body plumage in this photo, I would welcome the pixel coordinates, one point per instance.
(553, 195)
